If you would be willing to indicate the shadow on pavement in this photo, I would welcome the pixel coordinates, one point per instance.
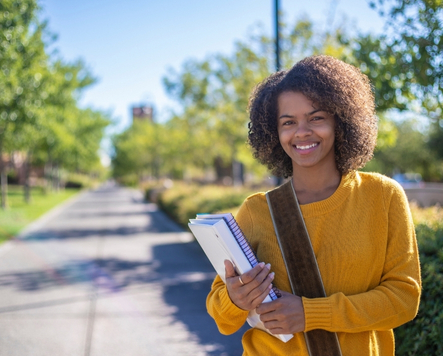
(156, 222)
(189, 296)
(181, 268)
(110, 275)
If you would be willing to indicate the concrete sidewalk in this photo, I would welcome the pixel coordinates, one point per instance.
(107, 274)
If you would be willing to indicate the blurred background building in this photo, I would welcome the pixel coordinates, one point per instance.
(142, 113)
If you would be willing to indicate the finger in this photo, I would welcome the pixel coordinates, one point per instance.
(260, 298)
(261, 277)
(263, 287)
(249, 276)
(277, 330)
(266, 308)
(229, 269)
(271, 315)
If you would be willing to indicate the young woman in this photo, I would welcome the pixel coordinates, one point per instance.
(316, 125)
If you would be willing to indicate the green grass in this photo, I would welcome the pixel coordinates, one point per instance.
(19, 213)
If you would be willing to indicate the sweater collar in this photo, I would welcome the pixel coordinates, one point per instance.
(348, 181)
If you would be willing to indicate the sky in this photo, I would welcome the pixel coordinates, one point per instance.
(130, 45)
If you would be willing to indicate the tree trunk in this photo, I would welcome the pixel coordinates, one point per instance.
(223, 170)
(238, 177)
(4, 184)
(26, 187)
(3, 181)
(47, 174)
(55, 182)
(52, 177)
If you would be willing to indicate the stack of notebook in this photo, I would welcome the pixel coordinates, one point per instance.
(222, 239)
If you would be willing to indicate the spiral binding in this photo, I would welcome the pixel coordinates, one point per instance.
(247, 249)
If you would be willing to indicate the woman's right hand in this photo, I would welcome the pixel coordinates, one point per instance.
(248, 290)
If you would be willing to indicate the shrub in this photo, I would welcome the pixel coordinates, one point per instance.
(431, 216)
(183, 201)
(423, 336)
(79, 180)
(129, 180)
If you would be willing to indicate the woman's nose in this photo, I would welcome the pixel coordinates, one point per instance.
(303, 129)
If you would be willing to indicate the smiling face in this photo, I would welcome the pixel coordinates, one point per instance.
(306, 132)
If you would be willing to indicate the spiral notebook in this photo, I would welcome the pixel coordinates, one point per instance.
(221, 239)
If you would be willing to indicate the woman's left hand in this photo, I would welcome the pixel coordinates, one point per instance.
(284, 315)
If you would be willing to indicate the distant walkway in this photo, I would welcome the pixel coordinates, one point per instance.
(107, 275)
(431, 194)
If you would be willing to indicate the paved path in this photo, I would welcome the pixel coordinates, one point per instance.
(107, 275)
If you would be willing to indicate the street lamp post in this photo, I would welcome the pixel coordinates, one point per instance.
(279, 180)
(277, 35)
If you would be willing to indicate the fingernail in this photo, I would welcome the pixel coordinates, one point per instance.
(261, 264)
(268, 266)
(272, 275)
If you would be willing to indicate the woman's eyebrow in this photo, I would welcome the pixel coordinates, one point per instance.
(284, 116)
(313, 112)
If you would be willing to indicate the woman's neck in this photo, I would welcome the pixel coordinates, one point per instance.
(314, 184)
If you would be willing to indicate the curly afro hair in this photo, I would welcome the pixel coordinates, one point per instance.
(336, 87)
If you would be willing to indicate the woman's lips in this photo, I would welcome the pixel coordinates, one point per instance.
(305, 148)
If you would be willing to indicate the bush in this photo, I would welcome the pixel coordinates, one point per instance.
(129, 180)
(70, 184)
(79, 180)
(183, 201)
(423, 336)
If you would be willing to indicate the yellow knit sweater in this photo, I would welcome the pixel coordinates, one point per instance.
(364, 241)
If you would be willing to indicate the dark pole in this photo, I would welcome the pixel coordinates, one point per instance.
(277, 37)
(279, 180)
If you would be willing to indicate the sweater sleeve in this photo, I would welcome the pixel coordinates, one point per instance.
(395, 300)
(228, 317)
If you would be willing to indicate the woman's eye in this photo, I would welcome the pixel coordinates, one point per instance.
(316, 118)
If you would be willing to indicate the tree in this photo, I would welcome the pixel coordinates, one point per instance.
(39, 111)
(22, 57)
(61, 135)
(405, 66)
(135, 150)
(435, 142)
(378, 61)
(410, 153)
(416, 42)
